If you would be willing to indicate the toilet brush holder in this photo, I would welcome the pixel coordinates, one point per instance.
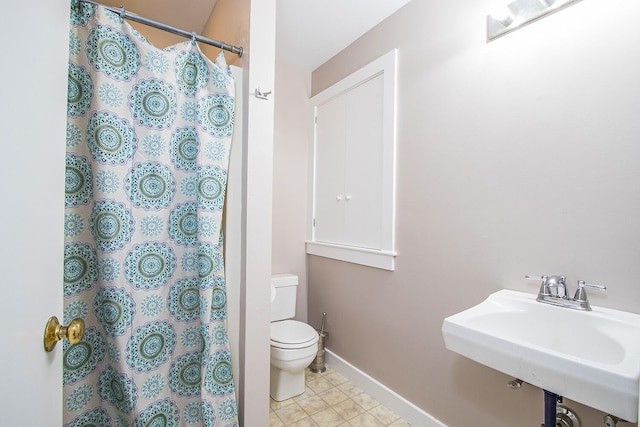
(318, 366)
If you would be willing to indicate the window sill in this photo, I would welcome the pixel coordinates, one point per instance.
(369, 257)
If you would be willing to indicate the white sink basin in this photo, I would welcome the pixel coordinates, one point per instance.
(591, 357)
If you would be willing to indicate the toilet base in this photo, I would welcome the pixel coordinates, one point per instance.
(285, 385)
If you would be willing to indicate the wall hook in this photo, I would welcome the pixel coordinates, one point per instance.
(262, 95)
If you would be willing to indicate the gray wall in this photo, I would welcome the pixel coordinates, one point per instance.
(519, 156)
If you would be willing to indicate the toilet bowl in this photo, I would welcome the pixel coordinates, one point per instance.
(294, 344)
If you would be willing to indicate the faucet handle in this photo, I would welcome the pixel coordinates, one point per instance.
(543, 278)
(581, 294)
(544, 287)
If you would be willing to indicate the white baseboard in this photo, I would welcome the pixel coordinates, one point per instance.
(389, 398)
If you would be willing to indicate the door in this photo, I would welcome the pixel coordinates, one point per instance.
(348, 199)
(329, 197)
(33, 117)
(363, 186)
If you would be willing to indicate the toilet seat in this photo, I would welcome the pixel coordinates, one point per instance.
(292, 334)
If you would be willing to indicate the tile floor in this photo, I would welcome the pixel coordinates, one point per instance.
(330, 400)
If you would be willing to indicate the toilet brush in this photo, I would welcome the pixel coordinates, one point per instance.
(324, 317)
(317, 365)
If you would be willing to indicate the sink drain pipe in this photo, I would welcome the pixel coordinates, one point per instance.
(550, 407)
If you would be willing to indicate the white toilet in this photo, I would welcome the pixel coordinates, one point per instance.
(294, 344)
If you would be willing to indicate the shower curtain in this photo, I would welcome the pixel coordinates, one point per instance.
(148, 140)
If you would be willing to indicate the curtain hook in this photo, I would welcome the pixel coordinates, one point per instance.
(122, 13)
(193, 37)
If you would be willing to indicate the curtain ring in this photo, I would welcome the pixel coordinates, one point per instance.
(193, 37)
(122, 13)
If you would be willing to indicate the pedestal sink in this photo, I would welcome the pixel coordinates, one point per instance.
(591, 357)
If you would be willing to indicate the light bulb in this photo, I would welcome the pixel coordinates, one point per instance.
(503, 16)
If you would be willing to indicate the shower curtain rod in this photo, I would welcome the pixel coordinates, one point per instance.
(133, 17)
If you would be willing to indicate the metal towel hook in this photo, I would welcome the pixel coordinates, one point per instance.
(260, 94)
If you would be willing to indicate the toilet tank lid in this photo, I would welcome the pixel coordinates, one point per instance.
(292, 332)
(286, 279)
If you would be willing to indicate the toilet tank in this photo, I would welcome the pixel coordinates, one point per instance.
(283, 296)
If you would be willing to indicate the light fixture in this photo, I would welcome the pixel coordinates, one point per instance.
(519, 13)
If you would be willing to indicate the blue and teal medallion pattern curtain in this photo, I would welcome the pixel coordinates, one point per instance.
(148, 140)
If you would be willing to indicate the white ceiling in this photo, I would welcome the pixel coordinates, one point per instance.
(309, 32)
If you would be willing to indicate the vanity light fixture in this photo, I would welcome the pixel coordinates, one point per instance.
(519, 13)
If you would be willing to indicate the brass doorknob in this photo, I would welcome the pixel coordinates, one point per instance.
(54, 332)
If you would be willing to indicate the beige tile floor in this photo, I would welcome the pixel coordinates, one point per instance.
(330, 400)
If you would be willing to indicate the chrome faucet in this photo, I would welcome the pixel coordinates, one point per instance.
(560, 296)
